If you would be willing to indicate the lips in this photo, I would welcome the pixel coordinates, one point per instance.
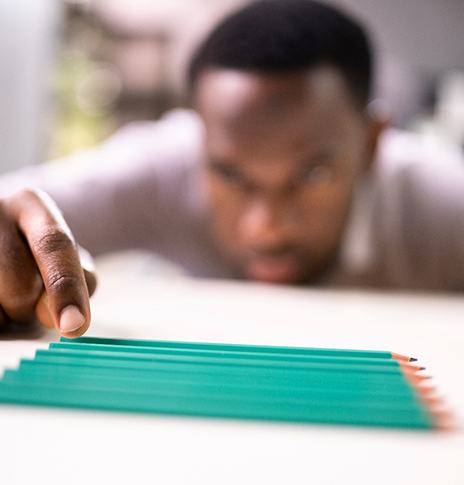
(274, 270)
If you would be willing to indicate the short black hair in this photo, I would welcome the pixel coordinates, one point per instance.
(288, 35)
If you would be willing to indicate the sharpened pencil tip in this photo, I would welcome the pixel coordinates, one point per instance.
(402, 358)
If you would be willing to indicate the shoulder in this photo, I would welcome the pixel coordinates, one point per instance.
(178, 132)
(156, 158)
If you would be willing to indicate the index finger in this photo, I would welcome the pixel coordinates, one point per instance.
(55, 252)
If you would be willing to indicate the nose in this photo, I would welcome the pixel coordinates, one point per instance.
(265, 224)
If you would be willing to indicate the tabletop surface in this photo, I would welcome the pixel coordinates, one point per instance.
(40, 445)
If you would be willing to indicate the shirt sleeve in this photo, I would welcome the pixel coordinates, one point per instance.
(120, 194)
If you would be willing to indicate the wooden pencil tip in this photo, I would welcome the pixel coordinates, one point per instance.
(412, 359)
(446, 425)
(401, 358)
(425, 390)
(414, 378)
(411, 367)
(443, 420)
(433, 401)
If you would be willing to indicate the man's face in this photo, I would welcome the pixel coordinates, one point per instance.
(284, 152)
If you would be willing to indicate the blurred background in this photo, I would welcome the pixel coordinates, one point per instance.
(73, 71)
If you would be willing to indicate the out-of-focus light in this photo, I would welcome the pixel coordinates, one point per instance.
(451, 106)
(99, 90)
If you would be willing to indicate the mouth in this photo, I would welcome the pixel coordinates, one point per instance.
(281, 269)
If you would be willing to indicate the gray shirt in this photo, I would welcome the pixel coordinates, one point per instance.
(142, 189)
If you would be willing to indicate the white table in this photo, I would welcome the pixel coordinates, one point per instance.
(74, 447)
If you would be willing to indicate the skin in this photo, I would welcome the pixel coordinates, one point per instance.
(284, 154)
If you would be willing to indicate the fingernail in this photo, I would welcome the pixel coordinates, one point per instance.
(71, 319)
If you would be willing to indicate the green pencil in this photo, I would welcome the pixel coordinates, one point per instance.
(371, 354)
(330, 365)
(147, 353)
(229, 356)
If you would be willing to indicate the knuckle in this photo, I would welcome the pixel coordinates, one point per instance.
(27, 193)
(61, 282)
(21, 196)
(51, 241)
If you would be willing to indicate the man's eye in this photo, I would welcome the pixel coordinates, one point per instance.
(317, 174)
(227, 172)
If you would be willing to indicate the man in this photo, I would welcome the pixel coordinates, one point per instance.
(281, 174)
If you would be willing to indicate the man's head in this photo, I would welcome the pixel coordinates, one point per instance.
(282, 87)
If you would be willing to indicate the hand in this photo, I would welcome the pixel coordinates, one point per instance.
(44, 276)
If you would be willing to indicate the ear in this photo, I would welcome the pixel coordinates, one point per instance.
(378, 121)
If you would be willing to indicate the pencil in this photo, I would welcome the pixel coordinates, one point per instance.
(225, 356)
(222, 365)
(372, 354)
